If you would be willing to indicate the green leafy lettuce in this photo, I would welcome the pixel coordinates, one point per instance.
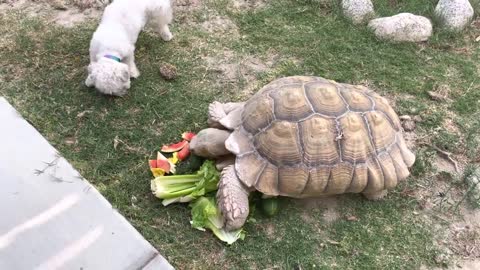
(205, 214)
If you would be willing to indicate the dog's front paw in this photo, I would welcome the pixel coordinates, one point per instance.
(166, 35)
(134, 73)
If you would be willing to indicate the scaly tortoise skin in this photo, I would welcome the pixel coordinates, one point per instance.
(307, 137)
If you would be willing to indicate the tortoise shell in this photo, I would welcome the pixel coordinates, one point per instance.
(307, 136)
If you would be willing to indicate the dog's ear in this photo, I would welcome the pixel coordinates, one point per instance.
(90, 81)
(125, 75)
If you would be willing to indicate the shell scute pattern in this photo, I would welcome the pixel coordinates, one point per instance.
(310, 136)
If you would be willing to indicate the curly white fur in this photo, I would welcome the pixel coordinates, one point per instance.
(116, 36)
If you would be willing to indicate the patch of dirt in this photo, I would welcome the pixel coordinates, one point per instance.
(440, 92)
(248, 4)
(438, 193)
(467, 265)
(449, 124)
(220, 25)
(307, 217)
(58, 12)
(330, 215)
(186, 3)
(444, 165)
(182, 9)
(462, 239)
(246, 69)
(239, 72)
(270, 230)
(85, 4)
(455, 225)
(465, 241)
(330, 204)
(218, 257)
(72, 17)
(410, 139)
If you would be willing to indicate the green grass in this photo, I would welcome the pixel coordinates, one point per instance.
(42, 72)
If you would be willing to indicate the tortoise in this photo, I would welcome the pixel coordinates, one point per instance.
(304, 136)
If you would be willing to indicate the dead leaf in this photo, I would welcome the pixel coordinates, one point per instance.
(70, 141)
(116, 142)
(82, 114)
(477, 39)
(405, 117)
(351, 218)
(333, 242)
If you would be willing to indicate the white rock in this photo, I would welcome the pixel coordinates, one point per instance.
(473, 182)
(454, 15)
(358, 11)
(402, 27)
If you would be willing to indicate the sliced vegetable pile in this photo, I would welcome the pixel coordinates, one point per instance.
(180, 151)
(198, 189)
(185, 188)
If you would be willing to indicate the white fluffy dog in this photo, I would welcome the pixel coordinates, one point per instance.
(112, 47)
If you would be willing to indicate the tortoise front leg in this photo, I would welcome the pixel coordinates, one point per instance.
(232, 199)
(224, 161)
(224, 115)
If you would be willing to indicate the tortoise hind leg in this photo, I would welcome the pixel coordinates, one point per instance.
(375, 196)
(232, 199)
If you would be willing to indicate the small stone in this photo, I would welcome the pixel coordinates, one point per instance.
(417, 118)
(402, 27)
(408, 125)
(59, 4)
(454, 15)
(168, 71)
(473, 182)
(436, 96)
(405, 117)
(359, 11)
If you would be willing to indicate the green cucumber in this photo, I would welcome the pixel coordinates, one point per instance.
(270, 206)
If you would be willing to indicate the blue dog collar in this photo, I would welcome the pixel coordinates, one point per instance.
(113, 57)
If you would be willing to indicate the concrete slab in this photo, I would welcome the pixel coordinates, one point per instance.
(51, 218)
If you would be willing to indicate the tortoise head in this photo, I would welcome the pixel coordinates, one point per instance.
(210, 143)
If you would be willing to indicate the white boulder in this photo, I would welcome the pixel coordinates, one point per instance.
(454, 15)
(402, 27)
(358, 11)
